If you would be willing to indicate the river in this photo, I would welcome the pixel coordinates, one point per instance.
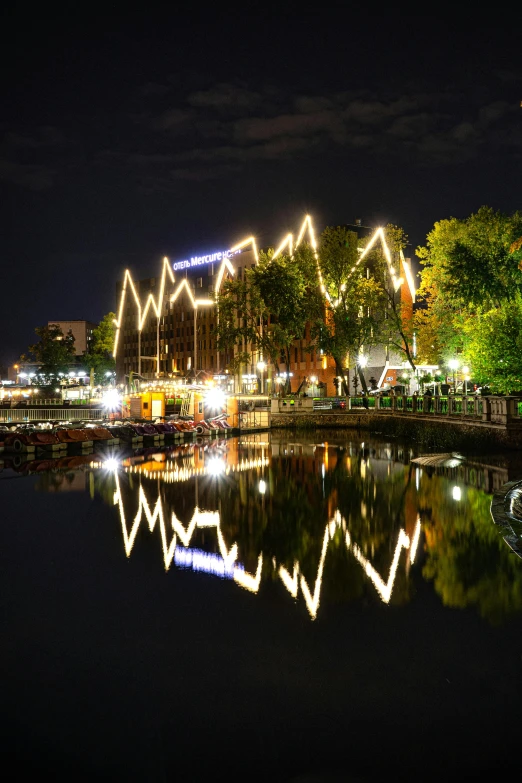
(287, 607)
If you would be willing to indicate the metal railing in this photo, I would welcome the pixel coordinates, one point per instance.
(8, 415)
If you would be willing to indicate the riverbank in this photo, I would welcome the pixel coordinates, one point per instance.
(437, 432)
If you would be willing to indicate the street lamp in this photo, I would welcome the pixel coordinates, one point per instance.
(261, 365)
(453, 364)
(465, 371)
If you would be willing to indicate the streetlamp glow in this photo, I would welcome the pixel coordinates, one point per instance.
(453, 364)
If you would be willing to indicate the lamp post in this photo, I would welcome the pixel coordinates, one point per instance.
(362, 362)
(453, 365)
(465, 372)
(261, 365)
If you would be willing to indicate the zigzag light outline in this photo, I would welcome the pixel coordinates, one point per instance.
(225, 266)
(252, 581)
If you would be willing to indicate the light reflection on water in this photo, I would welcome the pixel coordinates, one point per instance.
(330, 520)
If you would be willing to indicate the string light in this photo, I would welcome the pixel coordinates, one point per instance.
(226, 266)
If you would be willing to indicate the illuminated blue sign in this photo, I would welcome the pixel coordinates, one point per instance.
(211, 258)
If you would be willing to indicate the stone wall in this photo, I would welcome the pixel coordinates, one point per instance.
(430, 431)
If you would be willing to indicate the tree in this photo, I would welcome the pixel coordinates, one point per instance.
(54, 351)
(99, 357)
(394, 324)
(268, 309)
(353, 304)
(287, 286)
(494, 347)
(240, 323)
(470, 267)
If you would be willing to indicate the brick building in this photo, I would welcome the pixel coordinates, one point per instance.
(167, 328)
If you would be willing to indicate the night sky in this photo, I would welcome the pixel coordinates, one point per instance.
(126, 138)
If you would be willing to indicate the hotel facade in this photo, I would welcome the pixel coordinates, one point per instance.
(166, 327)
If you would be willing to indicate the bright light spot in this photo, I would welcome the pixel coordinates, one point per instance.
(57, 391)
(71, 375)
(111, 399)
(453, 364)
(362, 361)
(262, 487)
(111, 464)
(457, 494)
(81, 374)
(465, 370)
(261, 365)
(215, 467)
(215, 398)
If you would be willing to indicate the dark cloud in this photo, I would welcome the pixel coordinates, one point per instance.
(172, 119)
(225, 97)
(26, 175)
(211, 132)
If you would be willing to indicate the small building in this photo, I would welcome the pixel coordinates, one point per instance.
(80, 330)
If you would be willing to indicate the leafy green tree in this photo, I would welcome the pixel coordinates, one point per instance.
(393, 317)
(241, 319)
(470, 267)
(288, 289)
(350, 319)
(494, 347)
(268, 309)
(54, 351)
(99, 358)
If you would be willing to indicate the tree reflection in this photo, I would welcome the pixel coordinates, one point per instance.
(466, 557)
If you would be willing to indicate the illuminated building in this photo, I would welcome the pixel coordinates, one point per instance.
(166, 325)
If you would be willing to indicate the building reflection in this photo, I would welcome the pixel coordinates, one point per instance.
(264, 511)
(335, 520)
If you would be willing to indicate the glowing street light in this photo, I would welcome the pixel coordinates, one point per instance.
(453, 364)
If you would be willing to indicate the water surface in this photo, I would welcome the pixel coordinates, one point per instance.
(277, 608)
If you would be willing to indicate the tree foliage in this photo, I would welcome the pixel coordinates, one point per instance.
(269, 308)
(54, 351)
(363, 309)
(494, 347)
(471, 283)
(99, 358)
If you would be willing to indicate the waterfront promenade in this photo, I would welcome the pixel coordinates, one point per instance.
(496, 418)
